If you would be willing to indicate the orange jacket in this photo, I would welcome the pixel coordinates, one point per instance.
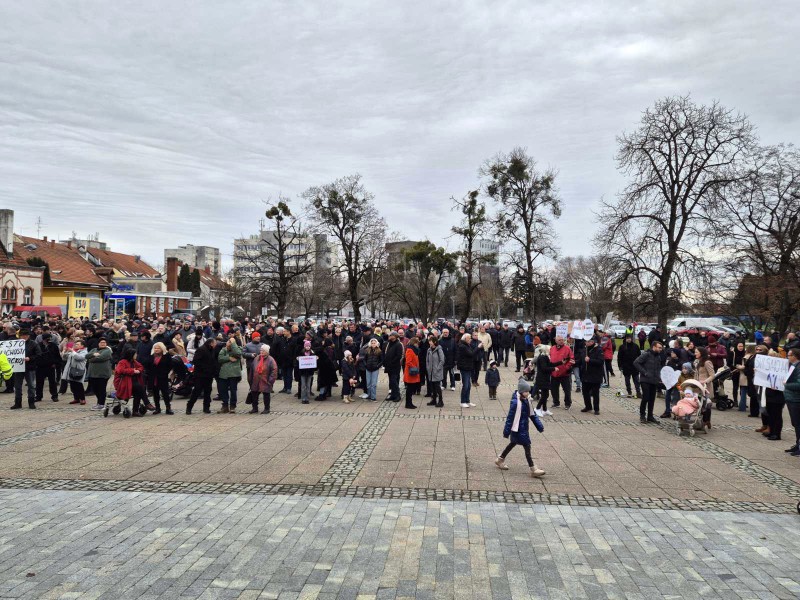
(412, 361)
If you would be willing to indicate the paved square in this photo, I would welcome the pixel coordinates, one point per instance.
(373, 500)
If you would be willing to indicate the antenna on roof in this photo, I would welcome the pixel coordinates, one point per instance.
(39, 227)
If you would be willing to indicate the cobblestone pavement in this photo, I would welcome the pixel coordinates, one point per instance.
(123, 545)
(373, 500)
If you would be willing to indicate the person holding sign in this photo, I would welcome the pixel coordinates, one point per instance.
(791, 393)
(32, 353)
(6, 371)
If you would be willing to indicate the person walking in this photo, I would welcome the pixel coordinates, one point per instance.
(542, 383)
(47, 368)
(230, 374)
(593, 371)
(434, 364)
(649, 366)
(265, 373)
(517, 427)
(519, 346)
(465, 363)
(100, 371)
(607, 347)
(486, 341)
(129, 382)
(506, 342)
(411, 372)
(205, 368)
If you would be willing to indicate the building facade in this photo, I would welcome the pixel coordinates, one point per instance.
(205, 258)
(20, 283)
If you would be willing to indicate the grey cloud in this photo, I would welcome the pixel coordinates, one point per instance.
(179, 117)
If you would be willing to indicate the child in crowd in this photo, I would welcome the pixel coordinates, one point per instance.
(349, 377)
(492, 379)
(516, 428)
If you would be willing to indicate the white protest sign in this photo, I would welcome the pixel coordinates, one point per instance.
(577, 330)
(307, 362)
(770, 371)
(669, 377)
(15, 353)
(588, 329)
(562, 329)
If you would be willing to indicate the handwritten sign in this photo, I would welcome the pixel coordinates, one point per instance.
(669, 377)
(307, 362)
(577, 330)
(770, 371)
(562, 329)
(588, 329)
(15, 353)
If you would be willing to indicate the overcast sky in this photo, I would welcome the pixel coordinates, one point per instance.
(161, 123)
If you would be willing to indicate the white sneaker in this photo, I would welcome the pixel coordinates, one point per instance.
(548, 413)
(452, 389)
(98, 407)
(471, 404)
(538, 412)
(364, 396)
(465, 406)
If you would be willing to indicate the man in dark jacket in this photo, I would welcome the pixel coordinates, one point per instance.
(506, 341)
(649, 366)
(494, 333)
(628, 353)
(393, 356)
(519, 346)
(205, 367)
(32, 354)
(46, 368)
(465, 363)
(449, 348)
(655, 335)
(592, 376)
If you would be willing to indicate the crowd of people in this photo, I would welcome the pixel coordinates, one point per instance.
(149, 361)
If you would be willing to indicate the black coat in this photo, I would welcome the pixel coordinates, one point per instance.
(593, 371)
(465, 357)
(628, 352)
(393, 357)
(543, 369)
(449, 348)
(205, 362)
(649, 366)
(506, 338)
(519, 341)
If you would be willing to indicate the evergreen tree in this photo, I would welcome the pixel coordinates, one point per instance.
(195, 282)
(36, 261)
(185, 279)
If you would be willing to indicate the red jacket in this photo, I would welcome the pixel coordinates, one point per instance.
(124, 378)
(557, 355)
(412, 360)
(607, 345)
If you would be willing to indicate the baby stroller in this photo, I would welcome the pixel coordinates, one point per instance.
(115, 406)
(688, 413)
(721, 399)
(529, 370)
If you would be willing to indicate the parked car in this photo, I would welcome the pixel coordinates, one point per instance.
(618, 331)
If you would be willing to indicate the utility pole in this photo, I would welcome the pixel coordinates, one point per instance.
(453, 300)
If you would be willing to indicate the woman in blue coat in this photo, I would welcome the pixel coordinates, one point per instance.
(516, 428)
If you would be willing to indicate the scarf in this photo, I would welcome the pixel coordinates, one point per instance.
(518, 413)
(260, 367)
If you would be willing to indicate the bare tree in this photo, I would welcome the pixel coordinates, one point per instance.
(680, 159)
(757, 221)
(345, 210)
(596, 279)
(472, 228)
(281, 258)
(525, 198)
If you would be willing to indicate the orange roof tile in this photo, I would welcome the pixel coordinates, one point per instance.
(127, 263)
(66, 264)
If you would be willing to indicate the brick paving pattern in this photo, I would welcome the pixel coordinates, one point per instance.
(371, 500)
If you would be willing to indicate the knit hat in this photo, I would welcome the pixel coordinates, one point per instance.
(492, 362)
(687, 366)
(523, 386)
(347, 354)
(536, 340)
(307, 344)
(256, 335)
(712, 338)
